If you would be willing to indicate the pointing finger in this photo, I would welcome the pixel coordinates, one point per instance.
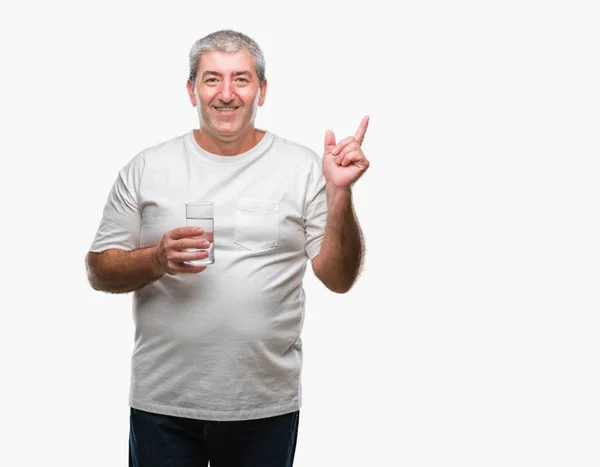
(362, 129)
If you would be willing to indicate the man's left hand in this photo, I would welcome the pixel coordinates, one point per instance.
(345, 162)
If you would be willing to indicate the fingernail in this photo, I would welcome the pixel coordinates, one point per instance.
(200, 231)
(206, 244)
(334, 152)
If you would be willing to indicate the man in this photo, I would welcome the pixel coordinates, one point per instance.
(218, 354)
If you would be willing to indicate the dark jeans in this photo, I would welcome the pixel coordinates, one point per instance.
(166, 441)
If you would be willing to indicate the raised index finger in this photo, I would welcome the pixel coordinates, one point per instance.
(362, 129)
(187, 231)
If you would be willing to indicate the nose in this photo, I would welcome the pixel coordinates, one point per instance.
(226, 92)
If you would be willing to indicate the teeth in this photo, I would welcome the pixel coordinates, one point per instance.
(225, 108)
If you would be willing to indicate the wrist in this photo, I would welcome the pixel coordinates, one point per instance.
(337, 194)
(155, 264)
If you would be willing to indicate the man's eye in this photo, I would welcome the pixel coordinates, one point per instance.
(242, 80)
(210, 80)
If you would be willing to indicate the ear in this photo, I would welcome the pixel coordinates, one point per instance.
(263, 93)
(190, 90)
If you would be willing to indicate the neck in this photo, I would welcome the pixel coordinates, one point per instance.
(228, 146)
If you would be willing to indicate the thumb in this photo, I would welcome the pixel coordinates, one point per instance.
(329, 140)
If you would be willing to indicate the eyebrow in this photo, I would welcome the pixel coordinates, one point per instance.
(216, 73)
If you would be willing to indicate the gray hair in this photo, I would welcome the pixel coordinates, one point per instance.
(226, 41)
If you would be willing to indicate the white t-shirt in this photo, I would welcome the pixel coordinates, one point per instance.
(223, 344)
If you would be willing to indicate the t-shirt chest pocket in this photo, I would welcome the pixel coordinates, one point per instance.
(257, 224)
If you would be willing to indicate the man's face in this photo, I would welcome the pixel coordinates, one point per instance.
(228, 92)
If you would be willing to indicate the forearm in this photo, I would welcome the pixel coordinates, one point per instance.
(342, 251)
(120, 271)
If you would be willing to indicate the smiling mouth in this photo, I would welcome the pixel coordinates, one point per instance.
(225, 109)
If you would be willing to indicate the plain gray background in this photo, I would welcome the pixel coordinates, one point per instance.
(470, 340)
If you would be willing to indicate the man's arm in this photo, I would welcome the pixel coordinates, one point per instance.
(340, 259)
(341, 256)
(120, 271)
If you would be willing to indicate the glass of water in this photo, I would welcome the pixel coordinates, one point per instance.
(201, 214)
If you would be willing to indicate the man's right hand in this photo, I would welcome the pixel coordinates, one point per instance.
(171, 254)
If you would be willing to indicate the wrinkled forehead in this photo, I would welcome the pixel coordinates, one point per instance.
(227, 63)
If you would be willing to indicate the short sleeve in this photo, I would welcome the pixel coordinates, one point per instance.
(315, 209)
(121, 219)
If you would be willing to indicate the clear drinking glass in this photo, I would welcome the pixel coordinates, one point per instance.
(201, 214)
